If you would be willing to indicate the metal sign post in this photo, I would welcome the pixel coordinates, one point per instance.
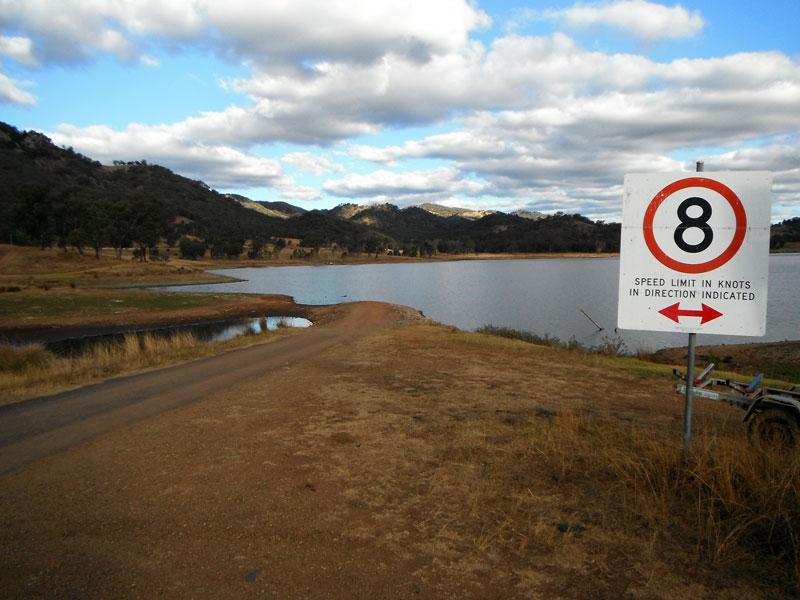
(687, 407)
(693, 257)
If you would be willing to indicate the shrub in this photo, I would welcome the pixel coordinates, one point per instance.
(227, 248)
(531, 338)
(614, 346)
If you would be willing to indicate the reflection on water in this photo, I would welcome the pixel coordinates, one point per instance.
(251, 326)
(219, 331)
(541, 296)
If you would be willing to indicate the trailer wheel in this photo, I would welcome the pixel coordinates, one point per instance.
(773, 428)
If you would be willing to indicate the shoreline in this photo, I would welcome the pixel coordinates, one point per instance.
(728, 356)
(225, 264)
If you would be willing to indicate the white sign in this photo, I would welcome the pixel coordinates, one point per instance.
(694, 250)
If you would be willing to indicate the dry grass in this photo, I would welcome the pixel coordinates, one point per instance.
(21, 358)
(724, 502)
(559, 472)
(29, 371)
(625, 490)
(34, 268)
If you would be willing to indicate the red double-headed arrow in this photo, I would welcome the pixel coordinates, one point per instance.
(706, 314)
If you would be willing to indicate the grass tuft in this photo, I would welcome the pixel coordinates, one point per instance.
(19, 358)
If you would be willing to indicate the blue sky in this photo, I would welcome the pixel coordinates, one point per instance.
(497, 105)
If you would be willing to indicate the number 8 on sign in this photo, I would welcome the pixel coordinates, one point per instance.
(700, 222)
(688, 223)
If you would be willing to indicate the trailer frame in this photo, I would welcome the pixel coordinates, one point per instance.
(772, 415)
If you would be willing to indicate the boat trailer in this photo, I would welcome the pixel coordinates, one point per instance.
(772, 414)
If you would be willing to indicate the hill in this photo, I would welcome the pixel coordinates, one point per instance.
(52, 195)
(347, 211)
(290, 210)
(55, 196)
(417, 230)
(785, 236)
(280, 210)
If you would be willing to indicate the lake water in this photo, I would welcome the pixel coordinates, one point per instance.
(543, 296)
(218, 331)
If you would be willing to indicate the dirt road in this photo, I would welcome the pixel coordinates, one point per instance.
(37, 428)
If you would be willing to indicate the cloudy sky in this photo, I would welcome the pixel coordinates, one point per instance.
(502, 105)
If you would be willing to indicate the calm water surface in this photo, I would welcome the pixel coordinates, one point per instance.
(542, 296)
(219, 331)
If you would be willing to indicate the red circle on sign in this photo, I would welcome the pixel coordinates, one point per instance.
(676, 186)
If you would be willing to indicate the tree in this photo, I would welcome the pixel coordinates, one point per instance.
(77, 240)
(148, 224)
(227, 247)
(191, 249)
(120, 224)
(95, 228)
(256, 248)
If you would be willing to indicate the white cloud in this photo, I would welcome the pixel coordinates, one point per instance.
(257, 31)
(782, 158)
(149, 61)
(645, 20)
(459, 145)
(293, 192)
(344, 30)
(61, 34)
(409, 187)
(219, 166)
(312, 163)
(334, 101)
(11, 92)
(18, 48)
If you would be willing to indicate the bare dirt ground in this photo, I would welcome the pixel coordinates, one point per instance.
(392, 459)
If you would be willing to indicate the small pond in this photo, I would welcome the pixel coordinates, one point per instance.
(217, 331)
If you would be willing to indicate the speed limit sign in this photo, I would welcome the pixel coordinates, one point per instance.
(694, 250)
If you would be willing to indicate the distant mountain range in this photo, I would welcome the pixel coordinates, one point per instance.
(55, 196)
(448, 211)
(284, 210)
